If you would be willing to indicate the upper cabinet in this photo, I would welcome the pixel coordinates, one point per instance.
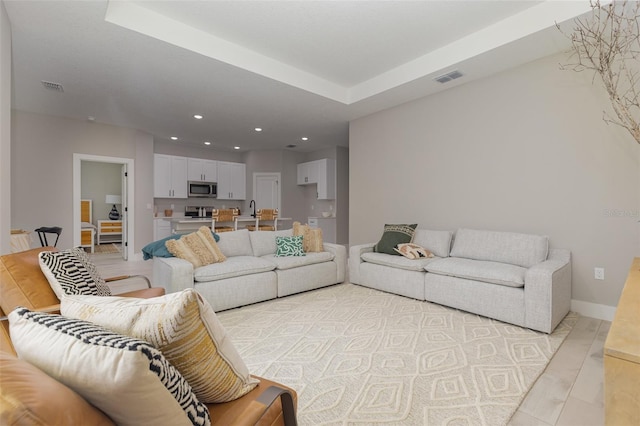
(320, 172)
(202, 170)
(232, 178)
(169, 176)
(308, 173)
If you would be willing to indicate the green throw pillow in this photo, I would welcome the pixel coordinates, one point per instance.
(289, 246)
(394, 235)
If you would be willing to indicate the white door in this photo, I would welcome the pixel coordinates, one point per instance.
(266, 191)
(124, 210)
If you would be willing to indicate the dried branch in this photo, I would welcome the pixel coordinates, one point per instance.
(608, 43)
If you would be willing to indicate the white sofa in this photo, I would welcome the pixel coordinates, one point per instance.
(511, 277)
(252, 273)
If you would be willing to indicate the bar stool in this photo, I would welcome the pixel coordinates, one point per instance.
(43, 231)
(264, 215)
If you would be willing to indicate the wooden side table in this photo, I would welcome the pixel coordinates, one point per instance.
(109, 231)
(622, 356)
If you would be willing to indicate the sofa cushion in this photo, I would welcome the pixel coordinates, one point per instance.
(479, 270)
(291, 262)
(199, 248)
(233, 267)
(264, 242)
(289, 246)
(235, 243)
(507, 247)
(29, 396)
(67, 274)
(128, 379)
(399, 262)
(184, 328)
(437, 242)
(392, 236)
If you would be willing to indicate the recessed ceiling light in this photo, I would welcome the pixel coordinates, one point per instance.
(207, 143)
(198, 116)
(91, 118)
(236, 147)
(174, 138)
(258, 129)
(305, 138)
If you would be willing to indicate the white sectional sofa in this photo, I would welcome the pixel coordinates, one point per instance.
(511, 277)
(252, 273)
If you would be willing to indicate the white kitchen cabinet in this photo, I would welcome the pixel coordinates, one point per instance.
(320, 172)
(161, 229)
(308, 173)
(199, 169)
(232, 181)
(169, 176)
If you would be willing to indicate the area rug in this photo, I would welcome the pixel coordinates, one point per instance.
(107, 248)
(360, 356)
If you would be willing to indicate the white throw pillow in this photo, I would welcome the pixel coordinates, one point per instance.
(184, 328)
(127, 378)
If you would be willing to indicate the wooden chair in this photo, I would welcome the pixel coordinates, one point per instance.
(265, 215)
(226, 216)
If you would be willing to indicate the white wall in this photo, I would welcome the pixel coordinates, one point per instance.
(42, 172)
(99, 180)
(5, 131)
(525, 150)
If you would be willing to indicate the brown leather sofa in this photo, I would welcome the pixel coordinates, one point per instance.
(30, 397)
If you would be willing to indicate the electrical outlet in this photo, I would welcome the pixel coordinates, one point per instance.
(598, 273)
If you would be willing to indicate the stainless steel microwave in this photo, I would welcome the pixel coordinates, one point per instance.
(198, 189)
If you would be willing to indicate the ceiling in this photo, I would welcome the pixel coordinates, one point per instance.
(293, 68)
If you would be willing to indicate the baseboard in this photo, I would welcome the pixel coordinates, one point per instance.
(593, 310)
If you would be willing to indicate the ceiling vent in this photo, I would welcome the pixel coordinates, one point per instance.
(52, 86)
(444, 78)
(291, 146)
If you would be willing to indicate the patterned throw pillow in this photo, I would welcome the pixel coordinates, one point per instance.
(67, 274)
(127, 378)
(184, 328)
(312, 241)
(199, 248)
(413, 251)
(394, 235)
(289, 246)
(101, 285)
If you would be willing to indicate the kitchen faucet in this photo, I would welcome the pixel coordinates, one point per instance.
(253, 203)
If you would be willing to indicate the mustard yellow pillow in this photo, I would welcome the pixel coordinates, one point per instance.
(311, 237)
(199, 248)
(184, 327)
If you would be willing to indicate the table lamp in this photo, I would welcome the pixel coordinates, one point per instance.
(113, 199)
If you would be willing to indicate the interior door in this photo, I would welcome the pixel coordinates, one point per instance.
(124, 213)
(266, 191)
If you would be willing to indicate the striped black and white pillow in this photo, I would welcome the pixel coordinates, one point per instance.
(127, 378)
(67, 274)
(101, 286)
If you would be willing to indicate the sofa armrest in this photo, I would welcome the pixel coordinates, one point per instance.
(340, 257)
(547, 291)
(172, 273)
(355, 253)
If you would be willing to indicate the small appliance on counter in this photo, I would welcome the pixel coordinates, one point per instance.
(196, 211)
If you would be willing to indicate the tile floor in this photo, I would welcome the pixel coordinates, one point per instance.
(570, 392)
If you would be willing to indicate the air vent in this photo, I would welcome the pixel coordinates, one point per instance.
(52, 86)
(291, 146)
(444, 78)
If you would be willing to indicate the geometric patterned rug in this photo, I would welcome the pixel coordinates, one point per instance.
(357, 355)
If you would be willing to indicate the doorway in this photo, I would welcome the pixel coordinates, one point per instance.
(266, 191)
(126, 209)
